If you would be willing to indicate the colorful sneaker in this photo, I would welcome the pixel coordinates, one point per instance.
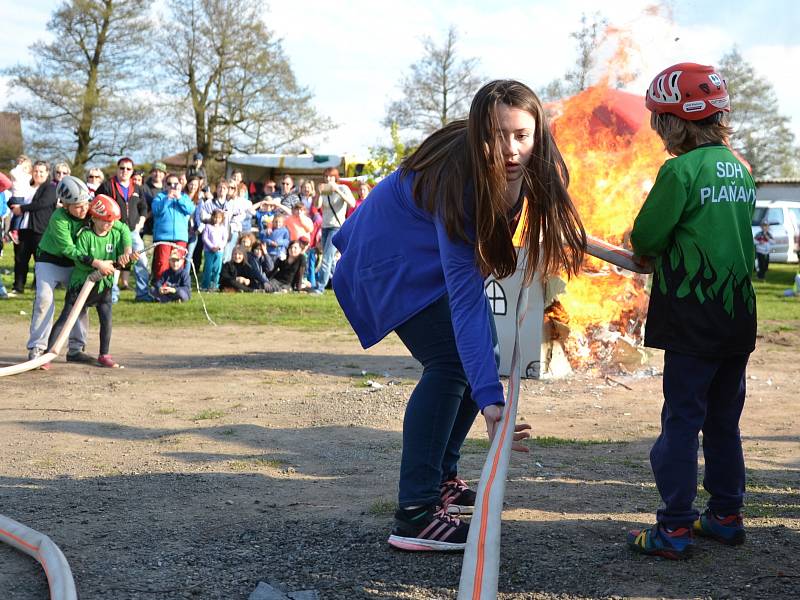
(79, 356)
(428, 529)
(457, 497)
(105, 360)
(657, 541)
(727, 530)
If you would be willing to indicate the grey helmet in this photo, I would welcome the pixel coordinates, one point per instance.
(71, 190)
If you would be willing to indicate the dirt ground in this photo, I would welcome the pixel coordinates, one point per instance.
(217, 458)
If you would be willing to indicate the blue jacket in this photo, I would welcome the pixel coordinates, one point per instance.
(397, 260)
(280, 236)
(171, 218)
(177, 279)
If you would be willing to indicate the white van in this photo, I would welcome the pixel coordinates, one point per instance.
(784, 225)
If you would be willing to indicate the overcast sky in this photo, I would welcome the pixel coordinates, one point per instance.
(352, 53)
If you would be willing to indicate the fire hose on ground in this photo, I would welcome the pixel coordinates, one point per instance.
(55, 349)
(17, 535)
(481, 564)
(44, 550)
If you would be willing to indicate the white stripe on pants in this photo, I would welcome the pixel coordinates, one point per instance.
(47, 276)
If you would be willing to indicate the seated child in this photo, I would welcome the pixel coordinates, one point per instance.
(277, 237)
(174, 285)
(261, 263)
(236, 275)
(102, 242)
(288, 272)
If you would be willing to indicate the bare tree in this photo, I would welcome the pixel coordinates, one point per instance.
(241, 88)
(437, 89)
(80, 96)
(588, 40)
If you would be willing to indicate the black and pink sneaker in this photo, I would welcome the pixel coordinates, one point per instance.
(428, 529)
(457, 497)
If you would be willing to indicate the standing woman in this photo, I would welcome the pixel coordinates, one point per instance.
(35, 217)
(334, 199)
(414, 260)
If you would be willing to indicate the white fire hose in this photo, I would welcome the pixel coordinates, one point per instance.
(17, 535)
(616, 255)
(44, 550)
(48, 356)
(481, 566)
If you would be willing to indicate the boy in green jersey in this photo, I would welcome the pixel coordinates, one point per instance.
(55, 259)
(695, 224)
(102, 242)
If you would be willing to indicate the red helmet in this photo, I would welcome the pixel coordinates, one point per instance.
(104, 208)
(689, 91)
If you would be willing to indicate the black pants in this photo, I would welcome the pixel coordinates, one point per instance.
(28, 242)
(101, 301)
(763, 264)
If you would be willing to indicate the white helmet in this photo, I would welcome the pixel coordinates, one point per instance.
(71, 190)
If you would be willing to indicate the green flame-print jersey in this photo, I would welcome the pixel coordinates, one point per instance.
(696, 223)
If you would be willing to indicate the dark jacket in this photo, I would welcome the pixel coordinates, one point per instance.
(261, 267)
(41, 207)
(180, 280)
(231, 270)
(132, 208)
(290, 274)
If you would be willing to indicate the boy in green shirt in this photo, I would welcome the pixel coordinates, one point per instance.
(55, 258)
(101, 242)
(695, 224)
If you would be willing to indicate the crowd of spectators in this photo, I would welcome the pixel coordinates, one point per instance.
(236, 236)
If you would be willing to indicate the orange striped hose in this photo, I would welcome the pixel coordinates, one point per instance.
(42, 548)
(481, 565)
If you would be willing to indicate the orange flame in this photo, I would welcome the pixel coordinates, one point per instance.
(613, 157)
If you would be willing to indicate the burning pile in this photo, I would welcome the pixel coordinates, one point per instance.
(612, 156)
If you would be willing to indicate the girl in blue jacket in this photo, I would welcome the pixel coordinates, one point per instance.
(414, 258)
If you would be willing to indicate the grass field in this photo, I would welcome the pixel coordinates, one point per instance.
(303, 311)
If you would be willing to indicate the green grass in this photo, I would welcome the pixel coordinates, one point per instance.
(166, 411)
(297, 311)
(556, 442)
(771, 304)
(314, 313)
(207, 414)
(250, 464)
(382, 507)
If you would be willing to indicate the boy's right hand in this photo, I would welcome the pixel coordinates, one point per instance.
(106, 267)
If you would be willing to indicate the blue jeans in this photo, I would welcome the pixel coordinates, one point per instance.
(700, 394)
(328, 252)
(228, 252)
(311, 268)
(440, 411)
(140, 271)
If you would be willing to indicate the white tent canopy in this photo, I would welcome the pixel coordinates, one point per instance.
(290, 162)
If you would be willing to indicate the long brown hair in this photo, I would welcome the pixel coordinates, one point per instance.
(467, 154)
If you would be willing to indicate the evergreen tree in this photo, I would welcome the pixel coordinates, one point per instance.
(762, 135)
